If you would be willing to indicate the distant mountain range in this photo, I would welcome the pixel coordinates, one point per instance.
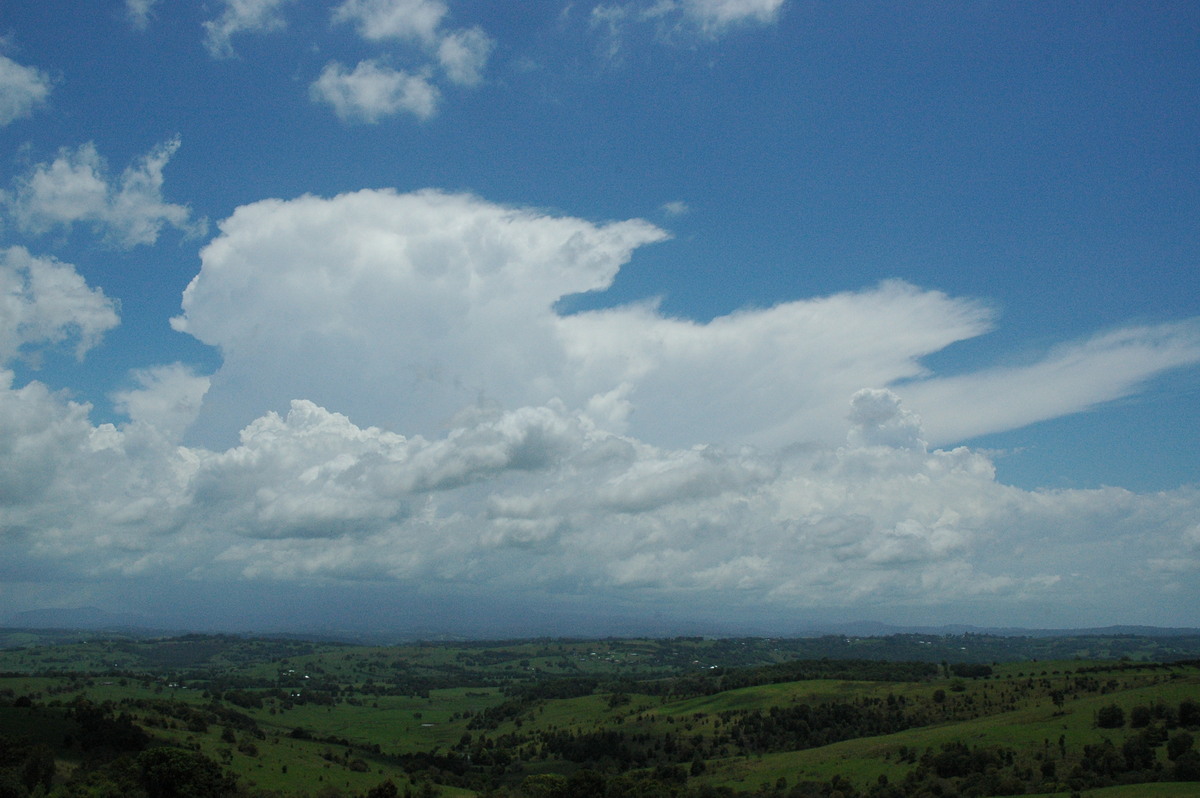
(95, 619)
(875, 629)
(90, 618)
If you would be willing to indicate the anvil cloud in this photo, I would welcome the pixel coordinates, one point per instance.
(633, 316)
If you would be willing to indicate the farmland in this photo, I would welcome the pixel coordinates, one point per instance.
(888, 717)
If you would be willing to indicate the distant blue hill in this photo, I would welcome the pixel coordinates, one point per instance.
(90, 618)
(875, 629)
(95, 619)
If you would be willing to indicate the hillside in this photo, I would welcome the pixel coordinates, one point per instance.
(894, 716)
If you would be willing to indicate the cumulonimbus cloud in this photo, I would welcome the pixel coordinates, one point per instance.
(400, 309)
(411, 408)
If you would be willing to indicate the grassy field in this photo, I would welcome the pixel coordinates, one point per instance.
(305, 718)
(1176, 789)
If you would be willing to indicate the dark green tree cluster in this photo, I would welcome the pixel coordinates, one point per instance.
(793, 728)
(24, 767)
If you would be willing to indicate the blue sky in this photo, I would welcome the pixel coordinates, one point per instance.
(727, 314)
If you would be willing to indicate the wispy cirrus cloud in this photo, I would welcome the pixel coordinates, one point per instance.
(673, 19)
(717, 15)
(1071, 378)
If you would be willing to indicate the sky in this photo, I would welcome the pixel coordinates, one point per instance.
(593, 317)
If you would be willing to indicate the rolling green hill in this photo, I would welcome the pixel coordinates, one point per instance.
(201, 715)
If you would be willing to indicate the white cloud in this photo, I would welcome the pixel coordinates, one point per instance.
(439, 423)
(438, 299)
(166, 399)
(241, 16)
(675, 208)
(46, 302)
(675, 18)
(140, 12)
(399, 309)
(22, 90)
(82, 500)
(716, 15)
(39, 432)
(394, 19)
(769, 375)
(877, 419)
(463, 55)
(75, 188)
(541, 499)
(1072, 378)
(374, 90)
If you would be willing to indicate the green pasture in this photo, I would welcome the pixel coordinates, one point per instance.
(289, 765)
(1012, 707)
(768, 695)
(1173, 789)
(1038, 724)
(396, 723)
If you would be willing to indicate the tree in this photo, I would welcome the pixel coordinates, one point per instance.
(385, 789)
(175, 773)
(1187, 766)
(1110, 717)
(38, 768)
(1178, 745)
(1138, 753)
(544, 785)
(10, 785)
(1189, 713)
(98, 729)
(1102, 759)
(586, 783)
